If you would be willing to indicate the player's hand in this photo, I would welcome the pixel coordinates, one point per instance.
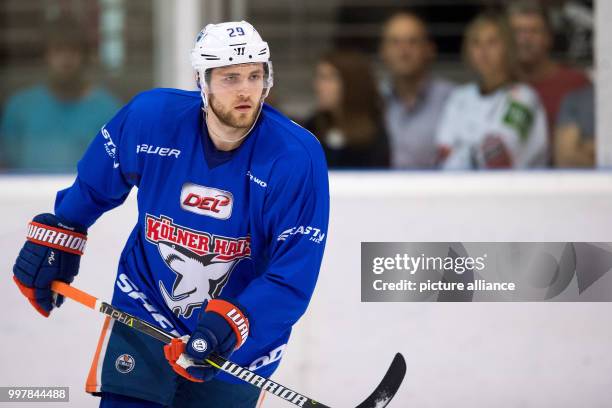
(52, 252)
(222, 328)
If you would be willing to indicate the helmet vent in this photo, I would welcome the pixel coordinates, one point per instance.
(210, 57)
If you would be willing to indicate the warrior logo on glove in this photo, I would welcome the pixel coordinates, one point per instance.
(52, 252)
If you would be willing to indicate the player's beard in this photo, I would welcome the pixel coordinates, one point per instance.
(229, 117)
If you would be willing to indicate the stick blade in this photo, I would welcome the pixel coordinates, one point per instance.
(389, 385)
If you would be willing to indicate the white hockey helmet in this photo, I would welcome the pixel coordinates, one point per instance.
(231, 43)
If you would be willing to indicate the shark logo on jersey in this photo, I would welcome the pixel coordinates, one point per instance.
(202, 263)
(198, 278)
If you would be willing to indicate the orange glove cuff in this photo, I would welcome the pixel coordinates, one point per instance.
(233, 316)
(172, 352)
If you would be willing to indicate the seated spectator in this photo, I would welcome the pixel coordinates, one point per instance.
(48, 126)
(348, 116)
(494, 122)
(551, 80)
(413, 98)
(575, 130)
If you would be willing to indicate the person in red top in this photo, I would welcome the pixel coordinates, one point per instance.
(534, 40)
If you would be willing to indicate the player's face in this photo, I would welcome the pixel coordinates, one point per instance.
(405, 48)
(235, 93)
(487, 51)
(328, 87)
(533, 40)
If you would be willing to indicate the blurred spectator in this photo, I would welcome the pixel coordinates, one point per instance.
(48, 126)
(534, 38)
(414, 99)
(494, 122)
(575, 130)
(348, 117)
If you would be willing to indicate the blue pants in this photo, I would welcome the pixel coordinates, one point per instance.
(130, 370)
(217, 394)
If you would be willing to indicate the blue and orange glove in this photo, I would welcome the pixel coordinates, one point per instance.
(52, 252)
(222, 328)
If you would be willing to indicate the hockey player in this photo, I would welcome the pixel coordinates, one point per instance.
(233, 207)
(494, 122)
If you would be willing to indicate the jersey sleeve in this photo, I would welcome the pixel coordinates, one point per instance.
(296, 212)
(538, 148)
(106, 173)
(525, 118)
(455, 151)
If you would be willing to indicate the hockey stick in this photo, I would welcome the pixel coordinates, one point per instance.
(381, 396)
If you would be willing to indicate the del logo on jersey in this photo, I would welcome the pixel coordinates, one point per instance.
(206, 201)
(201, 262)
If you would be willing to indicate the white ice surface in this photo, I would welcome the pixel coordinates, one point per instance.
(506, 355)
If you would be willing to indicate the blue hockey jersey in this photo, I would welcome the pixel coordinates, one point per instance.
(249, 224)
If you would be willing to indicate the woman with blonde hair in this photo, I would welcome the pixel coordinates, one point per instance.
(494, 122)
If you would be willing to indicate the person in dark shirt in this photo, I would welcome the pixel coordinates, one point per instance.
(575, 129)
(348, 117)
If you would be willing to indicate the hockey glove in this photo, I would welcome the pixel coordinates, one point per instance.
(222, 328)
(52, 252)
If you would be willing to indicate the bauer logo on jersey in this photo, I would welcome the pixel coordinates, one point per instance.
(207, 201)
(202, 263)
(156, 150)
